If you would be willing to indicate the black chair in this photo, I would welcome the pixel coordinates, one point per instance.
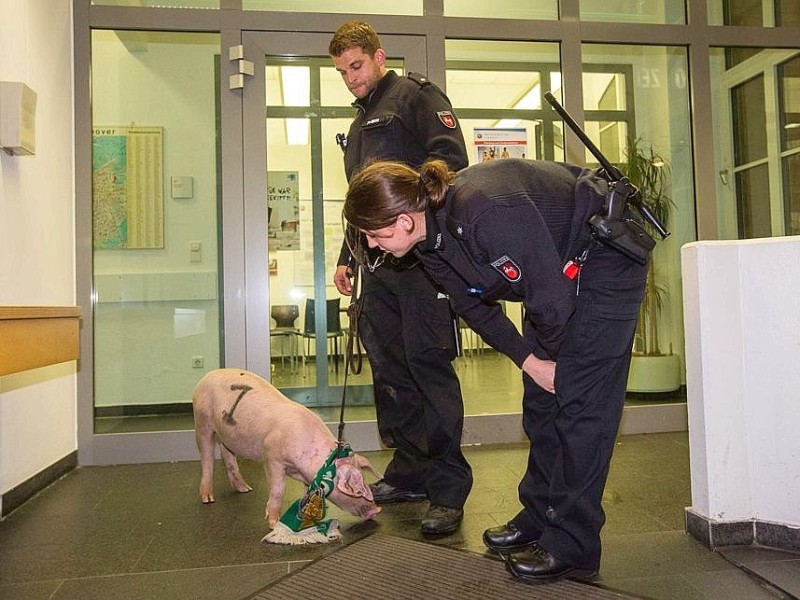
(285, 316)
(334, 328)
(471, 343)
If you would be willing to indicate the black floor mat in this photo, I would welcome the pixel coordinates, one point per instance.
(386, 567)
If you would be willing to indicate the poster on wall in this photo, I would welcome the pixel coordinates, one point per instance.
(491, 143)
(128, 187)
(283, 209)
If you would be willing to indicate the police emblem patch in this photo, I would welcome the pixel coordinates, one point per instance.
(508, 269)
(447, 118)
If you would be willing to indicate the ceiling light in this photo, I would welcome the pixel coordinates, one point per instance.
(295, 89)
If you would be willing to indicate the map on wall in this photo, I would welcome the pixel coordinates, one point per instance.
(127, 187)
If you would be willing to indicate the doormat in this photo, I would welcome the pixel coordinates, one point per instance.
(387, 567)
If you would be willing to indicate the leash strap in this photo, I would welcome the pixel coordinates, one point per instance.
(353, 359)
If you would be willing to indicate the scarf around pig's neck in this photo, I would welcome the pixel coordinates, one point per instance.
(304, 521)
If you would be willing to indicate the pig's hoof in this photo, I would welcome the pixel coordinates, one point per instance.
(208, 500)
(244, 489)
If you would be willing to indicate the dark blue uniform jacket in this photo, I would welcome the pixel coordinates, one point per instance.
(504, 233)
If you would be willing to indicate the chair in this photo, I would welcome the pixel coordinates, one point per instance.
(471, 343)
(334, 328)
(285, 316)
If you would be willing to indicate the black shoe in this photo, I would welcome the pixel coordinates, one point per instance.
(439, 520)
(537, 565)
(383, 493)
(507, 538)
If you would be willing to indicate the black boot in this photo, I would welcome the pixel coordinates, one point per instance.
(439, 520)
(507, 538)
(537, 565)
(383, 493)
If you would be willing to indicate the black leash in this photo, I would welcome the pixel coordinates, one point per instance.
(353, 359)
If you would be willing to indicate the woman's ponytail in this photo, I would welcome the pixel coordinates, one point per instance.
(435, 178)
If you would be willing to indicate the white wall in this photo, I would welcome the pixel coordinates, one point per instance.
(37, 240)
(742, 377)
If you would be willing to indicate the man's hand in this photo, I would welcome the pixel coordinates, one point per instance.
(342, 280)
(543, 372)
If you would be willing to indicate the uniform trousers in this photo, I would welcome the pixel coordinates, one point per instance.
(572, 432)
(407, 330)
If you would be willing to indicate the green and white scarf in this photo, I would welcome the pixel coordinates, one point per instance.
(303, 522)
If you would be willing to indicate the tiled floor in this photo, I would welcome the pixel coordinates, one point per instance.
(140, 531)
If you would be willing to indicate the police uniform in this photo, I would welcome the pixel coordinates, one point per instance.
(406, 323)
(505, 232)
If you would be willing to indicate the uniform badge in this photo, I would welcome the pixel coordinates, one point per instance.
(508, 269)
(447, 118)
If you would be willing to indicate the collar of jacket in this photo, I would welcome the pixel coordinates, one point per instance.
(384, 83)
(434, 236)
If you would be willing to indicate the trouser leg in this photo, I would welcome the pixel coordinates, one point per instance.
(407, 332)
(539, 410)
(573, 432)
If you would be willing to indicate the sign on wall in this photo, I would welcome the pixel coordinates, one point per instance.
(491, 143)
(283, 208)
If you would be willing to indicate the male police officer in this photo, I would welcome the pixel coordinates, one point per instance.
(406, 323)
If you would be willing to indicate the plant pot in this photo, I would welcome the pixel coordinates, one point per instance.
(654, 373)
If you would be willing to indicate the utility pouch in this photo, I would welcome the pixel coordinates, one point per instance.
(627, 236)
(617, 225)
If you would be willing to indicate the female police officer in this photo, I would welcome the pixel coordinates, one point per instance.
(505, 230)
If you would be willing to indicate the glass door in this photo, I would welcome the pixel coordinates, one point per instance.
(156, 280)
(158, 319)
(294, 107)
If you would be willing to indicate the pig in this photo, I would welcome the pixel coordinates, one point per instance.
(252, 419)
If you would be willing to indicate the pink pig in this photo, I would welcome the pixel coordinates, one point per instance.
(254, 420)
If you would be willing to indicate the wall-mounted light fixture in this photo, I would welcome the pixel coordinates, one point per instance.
(17, 118)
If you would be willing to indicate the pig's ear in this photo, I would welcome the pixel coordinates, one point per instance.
(350, 482)
(364, 464)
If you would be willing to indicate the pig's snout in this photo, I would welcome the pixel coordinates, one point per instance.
(370, 511)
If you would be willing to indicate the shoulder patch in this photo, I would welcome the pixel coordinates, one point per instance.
(447, 118)
(507, 268)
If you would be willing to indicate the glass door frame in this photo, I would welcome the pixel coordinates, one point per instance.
(242, 228)
(245, 316)
(260, 48)
(764, 65)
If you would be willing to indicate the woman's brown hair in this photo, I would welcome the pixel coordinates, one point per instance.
(382, 191)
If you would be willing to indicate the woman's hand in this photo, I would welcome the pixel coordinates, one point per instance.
(543, 372)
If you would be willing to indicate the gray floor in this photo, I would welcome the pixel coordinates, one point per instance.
(140, 531)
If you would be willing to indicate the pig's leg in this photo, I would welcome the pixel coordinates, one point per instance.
(234, 475)
(276, 475)
(205, 443)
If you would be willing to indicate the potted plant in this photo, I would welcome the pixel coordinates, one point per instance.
(653, 369)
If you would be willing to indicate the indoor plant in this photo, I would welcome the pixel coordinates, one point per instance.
(652, 368)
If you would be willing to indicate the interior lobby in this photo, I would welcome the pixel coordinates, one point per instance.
(220, 117)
